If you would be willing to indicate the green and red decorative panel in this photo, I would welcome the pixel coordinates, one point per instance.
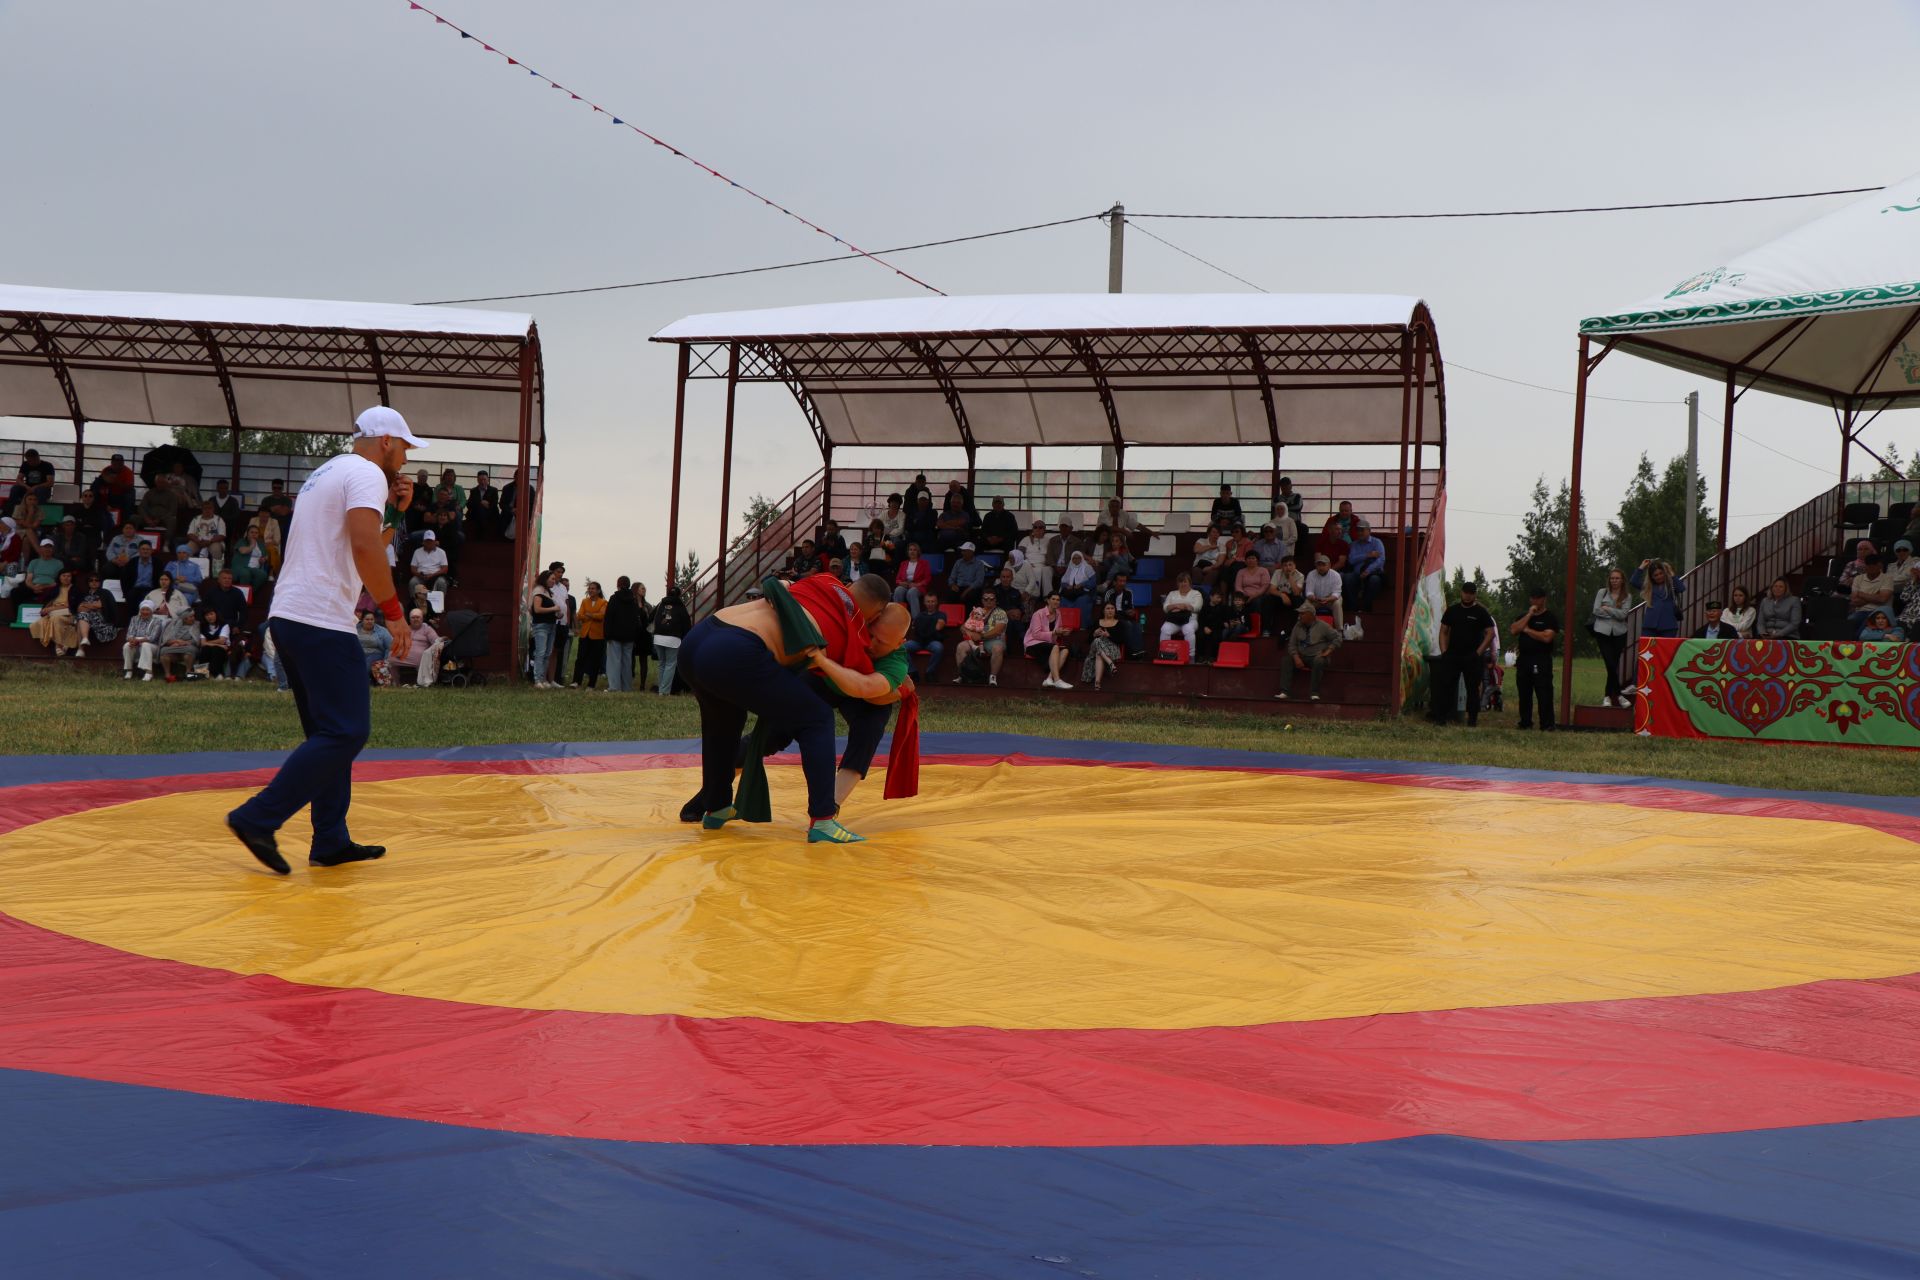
(1846, 691)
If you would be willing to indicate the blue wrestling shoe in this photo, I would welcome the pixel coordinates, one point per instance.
(829, 831)
(718, 818)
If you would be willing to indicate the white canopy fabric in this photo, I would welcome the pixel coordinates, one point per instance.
(1071, 369)
(290, 364)
(1825, 313)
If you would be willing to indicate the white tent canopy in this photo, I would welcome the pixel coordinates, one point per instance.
(1825, 313)
(1091, 369)
(279, 364)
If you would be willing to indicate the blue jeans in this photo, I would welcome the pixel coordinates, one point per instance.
(542, 650)
(668, 656)
(909, 596)
(329, 678)
(620, 666)
(733, 673)
(932, 648)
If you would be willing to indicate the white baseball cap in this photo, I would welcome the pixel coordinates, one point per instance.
(382, 421)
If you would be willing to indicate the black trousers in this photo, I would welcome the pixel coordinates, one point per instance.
(1534, 675)
(1449, 669)
(1612, 648)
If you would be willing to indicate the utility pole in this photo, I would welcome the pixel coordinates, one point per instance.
(1693, 478)
(1116, 254)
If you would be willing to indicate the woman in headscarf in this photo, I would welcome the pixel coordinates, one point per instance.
(1077, 584)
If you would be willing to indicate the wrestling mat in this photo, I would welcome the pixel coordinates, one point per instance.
(1079, 1009)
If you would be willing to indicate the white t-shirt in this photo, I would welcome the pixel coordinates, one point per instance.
(565, 603)
(319, 584)
(429, 561)
(1323, 585)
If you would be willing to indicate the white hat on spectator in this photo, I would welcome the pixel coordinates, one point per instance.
(46, 542)
(429, 536)
(382, 421)
(146, 606)
(967, 546)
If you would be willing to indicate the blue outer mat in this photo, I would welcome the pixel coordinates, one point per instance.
(108, 1180)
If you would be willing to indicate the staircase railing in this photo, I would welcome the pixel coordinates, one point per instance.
(802, 511)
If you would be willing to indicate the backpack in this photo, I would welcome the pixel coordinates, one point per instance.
(974, 669)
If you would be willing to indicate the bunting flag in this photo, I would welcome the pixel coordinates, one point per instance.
(662, 143)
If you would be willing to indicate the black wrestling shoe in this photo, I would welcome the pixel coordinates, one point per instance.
(352, 853)
(262, 846)
(694, 809)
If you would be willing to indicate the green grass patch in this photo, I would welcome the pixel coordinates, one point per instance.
(57, 710)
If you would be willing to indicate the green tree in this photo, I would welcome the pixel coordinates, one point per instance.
(1652, 523)
(1538, 558)
(298, 444)
(1895, 467)
(761, 512)
(688, 573)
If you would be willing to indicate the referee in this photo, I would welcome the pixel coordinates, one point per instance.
(335, 544)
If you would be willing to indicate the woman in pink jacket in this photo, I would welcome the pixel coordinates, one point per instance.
(914, 577)
(1047, 642)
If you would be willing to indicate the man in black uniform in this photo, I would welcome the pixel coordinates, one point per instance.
(1466, 634)
(1536, 631)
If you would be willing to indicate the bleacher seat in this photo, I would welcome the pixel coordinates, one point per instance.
(1149, 569)
(1882, 534)
(955, 614)
(993, 559)
(935, 561)
(1859, 515)
(1901, 513)
(50, 515)
(1142, 594)
(1177, 522)
(1069, 618)
(1234, 653)
(1163, 544)
(1253, 626)
(65, 493)
(1178, 650)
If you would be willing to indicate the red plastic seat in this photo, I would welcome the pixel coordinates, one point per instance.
(1179, 648)
(955, 614)
(1234, 653)
(1069, 619)
(1253, 626)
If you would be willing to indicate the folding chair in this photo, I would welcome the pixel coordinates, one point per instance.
(1234, 653)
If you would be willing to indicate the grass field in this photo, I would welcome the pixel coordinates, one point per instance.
(59, 711)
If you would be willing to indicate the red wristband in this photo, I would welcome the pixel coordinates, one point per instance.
(391, 607)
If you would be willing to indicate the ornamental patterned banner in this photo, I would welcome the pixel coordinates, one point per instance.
(1779, 691)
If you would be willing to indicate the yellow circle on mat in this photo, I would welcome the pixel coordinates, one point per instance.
(1006, 896)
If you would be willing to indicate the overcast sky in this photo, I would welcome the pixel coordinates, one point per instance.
(354, 150)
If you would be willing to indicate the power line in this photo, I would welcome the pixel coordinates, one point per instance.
(1811, 466)
(1506, 213)
(662, 143)
(748, 271)
(1128, 220)
(1559, 391)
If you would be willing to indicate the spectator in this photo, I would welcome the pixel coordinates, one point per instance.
(1104, 649)
(1611, 605)
(917, 490)
(226, 505)
(1077, 584)
(142, 642)
(855, 563)
(451, 493)
(216, 642)
(1180, 614)
(422, 661)
(183, 484)
(1872, 589)
(509, 504)
(1739, 613)
(121, 552)
(1209, 551)
(1286, 529)
(97, 525)
(1226, 505)
(272, 537)
(163, 509)
(1662, 592)
(270, 658)
(590, 619)
(621, 627)
(1310, 646)
(967, 577)
(830, 543)
(95, 616)
(483, 509)
(1119, 593)
(1032, 581)
(670, 622)
(1467, 635)
(1118, 560)
(1880, 627)
(179, 644)
(986, 630)
(115, 483)
(1366, 571)
(875, 540)
(1269, 550)
(144, 574)
(168, 600)
(923, 521)
(1861, 550)
(186, 574)
(1033, 550)
(1906, 574)
(542, 615)
(1779, 612)
(70, 546)
(1214, 618)
(376, 646)
(43, 574)
(956, 523)
(893, 528)
(923, 634)
(229, 599)
(277, 506)
(805, 560)
(1537, 629)
(642, 643)
(55, 626)
(1715, 627)
(207, 535)
(1121, 520)
(913, 579)
(562, 623)
(1285, 496)
(1333, 542)
(34, 477)
(1060, 549)
(1010, 598)
(958, 486)
(27, 518)
(1252, 580)
(429, 563)
(1047, 641)
(998, 529)
(1340, 523)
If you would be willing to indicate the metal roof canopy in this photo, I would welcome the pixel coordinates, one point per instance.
(1825, 313)
(273, 364)
(1084, 369)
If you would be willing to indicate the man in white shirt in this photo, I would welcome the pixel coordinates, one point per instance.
(1325, 590)
(334, 548)
(429, 563)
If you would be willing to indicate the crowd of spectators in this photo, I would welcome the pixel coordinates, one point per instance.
(176, 577)
(616, 636)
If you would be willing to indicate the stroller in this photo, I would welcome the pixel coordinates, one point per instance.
(466, 633)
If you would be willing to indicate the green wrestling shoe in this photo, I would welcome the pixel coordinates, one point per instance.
(718, 818)
(829, 831)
